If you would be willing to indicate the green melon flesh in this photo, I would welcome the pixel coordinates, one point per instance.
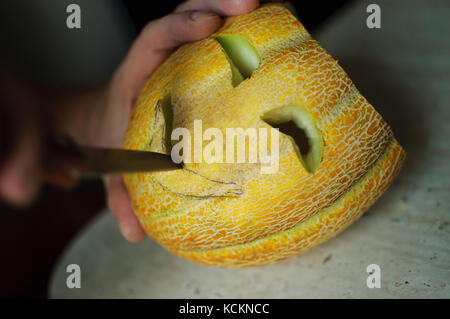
(241, 55)
(304, 121)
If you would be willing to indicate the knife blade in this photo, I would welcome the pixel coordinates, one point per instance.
(96, 160)
(89, 160)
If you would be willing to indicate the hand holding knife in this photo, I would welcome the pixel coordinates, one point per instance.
(64, 154)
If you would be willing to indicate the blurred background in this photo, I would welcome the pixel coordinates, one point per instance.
(37, 46)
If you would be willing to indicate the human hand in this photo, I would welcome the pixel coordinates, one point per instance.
(192, 20)
(100, 116)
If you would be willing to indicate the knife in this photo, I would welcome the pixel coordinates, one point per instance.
(91, 161)
(96, 160)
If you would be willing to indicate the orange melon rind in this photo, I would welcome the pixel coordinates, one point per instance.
(314, 231)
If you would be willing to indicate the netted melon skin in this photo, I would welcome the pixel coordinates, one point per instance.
(231, 215)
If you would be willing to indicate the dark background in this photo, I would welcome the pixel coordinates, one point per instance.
(32, 239)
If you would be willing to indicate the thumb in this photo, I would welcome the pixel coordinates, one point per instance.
(119, 203)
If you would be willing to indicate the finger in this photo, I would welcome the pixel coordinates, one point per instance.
(63, 172)
(63, 162)
(19, 176)
(154, 45)
(120, 204)
(61, 178)
(222, 7)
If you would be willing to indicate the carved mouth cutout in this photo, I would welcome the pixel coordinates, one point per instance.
(300, 127)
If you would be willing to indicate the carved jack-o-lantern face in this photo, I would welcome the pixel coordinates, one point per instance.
(259, 70)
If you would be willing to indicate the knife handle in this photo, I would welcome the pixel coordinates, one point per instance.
(62, 161)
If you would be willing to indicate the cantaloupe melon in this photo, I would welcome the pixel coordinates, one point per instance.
(259, 70)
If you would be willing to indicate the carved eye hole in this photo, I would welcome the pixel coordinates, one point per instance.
(167, 110)
(162, 123)
(241, 55)
(301, 129)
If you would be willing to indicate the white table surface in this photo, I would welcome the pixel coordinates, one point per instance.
(404, 70)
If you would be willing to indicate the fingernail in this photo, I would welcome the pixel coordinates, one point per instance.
(201, 15)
